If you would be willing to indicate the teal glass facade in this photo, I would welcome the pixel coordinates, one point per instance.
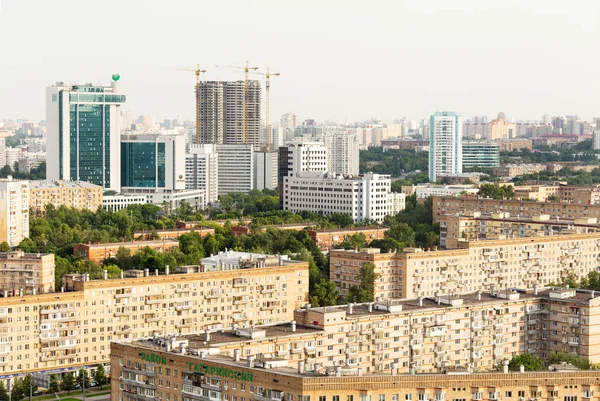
(143, 164)
(485, 155)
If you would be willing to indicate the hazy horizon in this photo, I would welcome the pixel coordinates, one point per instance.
(339, 60)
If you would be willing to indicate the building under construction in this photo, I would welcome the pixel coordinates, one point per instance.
(225, 118)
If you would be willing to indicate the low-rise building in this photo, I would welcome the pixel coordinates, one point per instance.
(469, 226)
(478, 265)
(26, 273)
(237, 230)
(516, 144)
(116, 202)
(424, 191)
(568, 211)
(174, 233)
(515, 170)
(71, 330)
(72, 194)
(98, 252)
(364, 197)
(328, 239)
(418, 349)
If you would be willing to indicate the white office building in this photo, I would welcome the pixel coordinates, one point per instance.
(445, 145)
(364, 197)
(116, 202)
(397, 202)
(265, 170)
(83, 124)
(343, 149)
(596, 140)
(236, 168)
(202, 170)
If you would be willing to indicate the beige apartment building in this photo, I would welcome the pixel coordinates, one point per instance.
(476, 266)
(371, 349)
(470, 226)
(69, 329)
(26, 273)
(514, 170)
(449, 205)
(75, 194)
(14, 211)
(582, 195)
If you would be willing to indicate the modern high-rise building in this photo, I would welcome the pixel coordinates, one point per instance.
(202, 170)
(265, 170)
(301, 156)
(343, 151)
(480, 154)
(83, 132)
(236, 168)
(152, 162)
(445, 144)
(14, 211)
(596, 140)
(224, 118)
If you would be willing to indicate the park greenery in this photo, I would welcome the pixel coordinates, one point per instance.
(533, 363)
(395, 162)
(497, 191)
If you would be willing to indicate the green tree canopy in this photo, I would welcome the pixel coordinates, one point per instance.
(530, 362)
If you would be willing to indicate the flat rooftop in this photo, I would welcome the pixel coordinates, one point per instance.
(132, 243)
(49, 184)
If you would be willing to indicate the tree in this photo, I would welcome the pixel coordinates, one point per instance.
(100, 376)
(3, 392)
(112, 271)
(576, 360)
(4, 247)
(365, 291)
(530, 362)
(29, 385)
(325, 293)
(17, 393)
(54, 386)
(402, 233)
(68, 382)
(83, 379)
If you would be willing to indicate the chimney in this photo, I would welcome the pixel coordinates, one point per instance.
(167, 270)
(420, 301)
(535, 289)
(359, 371)
(522, 368)
(370, 307)
(236, 355)
(207, 335)
(105, 275)
(146, 272)
(479, 295)
(293, 326)
(250, 361)
(338, 371)
(168, 346)
(505, 366)
(182, 348)
(33, 291)
(394, 368)
(122, 274)
(300, 367)
(156, 272)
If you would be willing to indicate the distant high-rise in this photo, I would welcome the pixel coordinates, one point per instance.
(445, 148)
(202, 170)
(83, 133)
(343, 153)
(223, 115)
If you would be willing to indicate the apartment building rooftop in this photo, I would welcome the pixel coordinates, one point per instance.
(41, 184)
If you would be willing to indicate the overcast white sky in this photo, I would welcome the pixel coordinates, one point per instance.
(339, 60)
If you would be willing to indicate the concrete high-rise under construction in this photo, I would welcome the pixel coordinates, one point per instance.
(224, 118)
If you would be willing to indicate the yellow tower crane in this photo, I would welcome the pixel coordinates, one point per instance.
(246, 69)
(267, 76)
(196, 71)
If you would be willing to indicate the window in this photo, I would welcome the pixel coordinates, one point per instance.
(493, 395)
(381, 397)
(322, 398)
(570, 398)
(477, 396)
(408, 397)
(440, 396)
(588, 393)
(508, 394)
(423, 397)
(521, 393)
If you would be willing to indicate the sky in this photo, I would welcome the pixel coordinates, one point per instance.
(339, 60)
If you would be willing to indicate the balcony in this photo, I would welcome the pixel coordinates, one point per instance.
(121, 296)
(213, 294)
(239, 318)
(154, 301)
(240, 301)
(46, 358)
(124, 330)
(240, 283)
(181, 307)
(268, 290)
(212, 313)
(138, 383)
(153, 319)
(57, 347)
(268, 307)
(51, 310)
(182, 290)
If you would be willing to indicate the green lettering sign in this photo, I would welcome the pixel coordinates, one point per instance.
(218, 371)
(153, 358)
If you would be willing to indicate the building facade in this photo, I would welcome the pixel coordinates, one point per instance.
(83, 133)
(14, 211)
(202, 170)
(72, 194)
(328, 239)
(343, 149)
(116, 202)
(480, 154)
(479, 265)
(236, 168)
(26, 273)
(365, 197)
(98, 252)
(73, 329)
(445, 144)
(265, 170)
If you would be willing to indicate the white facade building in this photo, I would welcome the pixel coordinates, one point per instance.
(304, 156)
(83, 133)
(172, 200)
(424, 191)
(343, 150)
(202, 170)
(445, 145)
(114, 203)
(14, 211)
(265, 170)
(596, 140)
(397, 202)
(236, 168)
(365, 197)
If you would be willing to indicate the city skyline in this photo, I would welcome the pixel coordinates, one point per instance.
(358, 65)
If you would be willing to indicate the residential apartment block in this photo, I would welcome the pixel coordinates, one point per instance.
(328, 239)
(343, 153)
(14, 211)
(514, 170)
(98, 252)
(476, 266)
(368, 351)
(469, 226)
(26, 273)
(364, 197)
(445, 145)
(73, 329)
(568, 211)
(75, 194)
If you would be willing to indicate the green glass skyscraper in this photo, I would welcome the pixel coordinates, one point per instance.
(83, 133)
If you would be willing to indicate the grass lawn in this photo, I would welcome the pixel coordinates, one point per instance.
(77, 393)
